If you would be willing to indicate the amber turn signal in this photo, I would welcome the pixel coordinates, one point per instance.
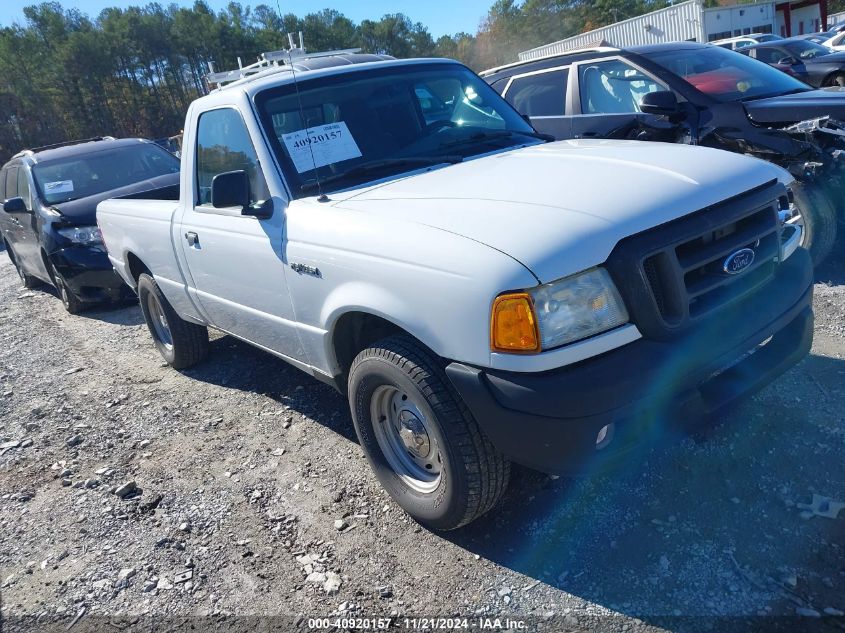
(513, 325)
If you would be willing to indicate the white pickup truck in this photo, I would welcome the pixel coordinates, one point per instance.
(483, 296)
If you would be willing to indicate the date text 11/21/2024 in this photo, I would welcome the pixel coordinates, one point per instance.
(419, 624)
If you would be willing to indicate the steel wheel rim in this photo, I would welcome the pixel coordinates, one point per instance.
(158, 320)
(797, 219)
(404, 435)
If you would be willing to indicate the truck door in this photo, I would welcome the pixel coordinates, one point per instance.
(606, 97)
(236, 262)
(541, 96)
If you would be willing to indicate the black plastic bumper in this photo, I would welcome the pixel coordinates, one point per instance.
(89, 274)
(551, 421)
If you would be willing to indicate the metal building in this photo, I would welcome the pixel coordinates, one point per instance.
(692, 22)
(680, 22)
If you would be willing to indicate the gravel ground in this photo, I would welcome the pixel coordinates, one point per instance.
(133, 496)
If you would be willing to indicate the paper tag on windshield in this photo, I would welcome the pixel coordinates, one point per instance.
(319, 146)
(60, 186)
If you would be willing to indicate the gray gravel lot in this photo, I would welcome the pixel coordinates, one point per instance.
(251, 497)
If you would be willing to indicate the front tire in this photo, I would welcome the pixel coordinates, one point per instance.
(181, 343)
(817, 216)
(69, 300)
(422, 442)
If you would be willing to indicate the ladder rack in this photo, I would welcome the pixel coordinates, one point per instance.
(273, 60)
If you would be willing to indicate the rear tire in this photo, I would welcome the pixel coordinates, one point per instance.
(818, 217)
(422, 442)
(29, 282)
(181, 343)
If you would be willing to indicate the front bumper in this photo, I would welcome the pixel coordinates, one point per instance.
(88, 273)
(550, 421)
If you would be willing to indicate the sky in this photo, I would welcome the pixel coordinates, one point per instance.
(442, 17)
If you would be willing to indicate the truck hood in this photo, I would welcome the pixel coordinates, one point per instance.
(561, 207)
(83, 211)
(800, 106)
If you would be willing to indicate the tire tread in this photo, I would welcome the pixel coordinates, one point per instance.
(190, 341)
(488, 471)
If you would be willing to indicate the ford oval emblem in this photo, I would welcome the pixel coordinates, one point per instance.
(738, 261)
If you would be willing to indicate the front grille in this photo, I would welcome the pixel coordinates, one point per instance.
(706, 285)
(673, 275)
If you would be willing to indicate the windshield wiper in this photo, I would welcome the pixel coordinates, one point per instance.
(486, 136)
(375, 166)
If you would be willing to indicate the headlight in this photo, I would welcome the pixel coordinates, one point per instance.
(82, 234)
(558, 313)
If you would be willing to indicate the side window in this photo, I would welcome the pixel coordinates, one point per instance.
(543, 94)
(3, 185)
(223, 144)
(11, 183)
(613, 87)
(23, 187)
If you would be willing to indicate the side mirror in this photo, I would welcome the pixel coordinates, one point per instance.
(15, 205)
(662, 102)
(788, 61)
(230, 189)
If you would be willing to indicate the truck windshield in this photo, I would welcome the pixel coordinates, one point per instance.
(352, 128)
(726, 75)
(83, 175)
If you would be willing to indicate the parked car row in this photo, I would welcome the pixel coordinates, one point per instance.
(695, 94)
(741, 41)
(482, 294)
(812, 63)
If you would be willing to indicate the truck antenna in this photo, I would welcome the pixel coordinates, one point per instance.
(292, 47)
(322, 197)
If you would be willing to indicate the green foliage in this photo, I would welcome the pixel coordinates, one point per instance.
(133, 71)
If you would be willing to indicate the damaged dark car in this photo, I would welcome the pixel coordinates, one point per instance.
(49, 202)
(696, 94)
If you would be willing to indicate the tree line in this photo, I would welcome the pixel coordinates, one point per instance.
(133, 71)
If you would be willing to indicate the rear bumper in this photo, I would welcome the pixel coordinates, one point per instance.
(89, 274)
(551, 421)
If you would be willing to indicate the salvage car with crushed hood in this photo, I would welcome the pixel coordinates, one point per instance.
(49, 200)
(696, 94)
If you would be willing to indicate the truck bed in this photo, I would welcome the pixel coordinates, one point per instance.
(170, 192)
(142, 224)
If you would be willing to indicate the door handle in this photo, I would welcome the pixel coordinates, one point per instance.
(193, 238)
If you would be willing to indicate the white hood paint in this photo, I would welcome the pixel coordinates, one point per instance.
(561, 207)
